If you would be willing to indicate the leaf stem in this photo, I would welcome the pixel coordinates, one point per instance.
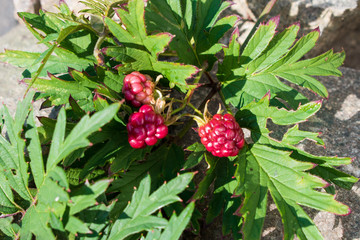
(97, 52)
(228, 109)
(9, 215)
(190, 122)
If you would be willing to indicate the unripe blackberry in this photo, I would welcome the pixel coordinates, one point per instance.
(145, 127)
(138, 89)
(222, 136)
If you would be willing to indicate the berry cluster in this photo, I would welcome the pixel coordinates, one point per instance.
(138, 89)
(222, 136)
(145, 127)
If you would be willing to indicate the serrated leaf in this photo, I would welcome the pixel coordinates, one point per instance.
(299, 189)
(258, 42)
(144, 49)
(223, 199)
(294, 136)
(74, 225)
(177, 224)
(136, 216)
(96, 218)
(41, 231)
(6, 196)
(35, 152)
(12, 159)
(195, 24)
(77, 138)
(6, 227)
(86, 195)
(260, 133)
(196, 156)
(266, 58)
(60, 90)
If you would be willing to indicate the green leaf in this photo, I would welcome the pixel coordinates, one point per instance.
(96, 218)
(223, 200)
(6, 196)
(41, 231)
(12, 158)
(294, 136)
(196, 27)
(137, 215)
(141, 49)
(205, 183)
(177, 224)
(74, 225)
(35, 152)
(6, 227)
(268, 57)
(196, 156)
(258, 42)
(77, 138)
(86, 195)
(265, 166)
(262, 111)
(59, 90)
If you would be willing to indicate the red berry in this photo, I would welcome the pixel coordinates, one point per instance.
(222, 136)
(145, 127)
(138, 89)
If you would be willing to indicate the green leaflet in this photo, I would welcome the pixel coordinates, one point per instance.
(267, 163)
(196, 156)
(51, 195)
(137, 215)
(195, 25)
(140, 51)
(177, 224)
(161, 164)
(268, 57)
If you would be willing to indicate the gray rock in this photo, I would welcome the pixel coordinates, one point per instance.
(7, 20)
(11, 90)
(339, 22)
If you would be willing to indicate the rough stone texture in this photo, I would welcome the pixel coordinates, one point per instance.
(47, 5)
(11, 90)
(8, 21)
(32, 6)
(50, 5)
(339, 22)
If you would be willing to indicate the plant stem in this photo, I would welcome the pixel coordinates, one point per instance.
(228, 109)
(190, 122)
(97, 52)
(9, 215)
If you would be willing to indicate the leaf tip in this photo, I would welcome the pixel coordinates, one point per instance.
(295, 24)
(275, 19)
(267, 95)
(317, 29)
(348, 212)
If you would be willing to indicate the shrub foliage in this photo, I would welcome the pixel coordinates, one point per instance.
(77, 177)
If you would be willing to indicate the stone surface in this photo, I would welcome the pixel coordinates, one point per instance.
(339, 22)
(7, 20)
(19, 38)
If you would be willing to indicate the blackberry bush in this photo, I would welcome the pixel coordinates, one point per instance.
(116, 162)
